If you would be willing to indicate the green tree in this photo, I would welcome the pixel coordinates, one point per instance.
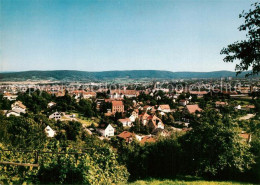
(21, 132)
(5, 104)
(246, 51)
(215, 150)
(85, 107)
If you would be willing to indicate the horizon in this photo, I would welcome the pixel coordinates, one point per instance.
(119, 35)
(120, 71)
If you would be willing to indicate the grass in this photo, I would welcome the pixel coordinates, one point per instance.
(84, 120)
(184, 182)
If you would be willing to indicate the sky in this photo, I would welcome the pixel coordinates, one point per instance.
(173, 35)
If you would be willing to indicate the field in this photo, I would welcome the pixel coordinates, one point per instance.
(84, 120)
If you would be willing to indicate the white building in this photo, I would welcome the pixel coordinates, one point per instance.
(10, 97)
(49, 131)
(183, 102)
(126, 122)
(238, 107)
(51, 104)
(18, 107)
(55, 115)
(133, 116)
(107, 131)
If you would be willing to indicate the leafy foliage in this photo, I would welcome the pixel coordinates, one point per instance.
(216, 150)
(247, 51)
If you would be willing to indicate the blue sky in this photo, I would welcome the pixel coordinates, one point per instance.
(174, 35)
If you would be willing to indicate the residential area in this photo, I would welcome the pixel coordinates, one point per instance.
(128, 114)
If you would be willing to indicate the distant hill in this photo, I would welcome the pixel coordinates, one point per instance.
(72, 75)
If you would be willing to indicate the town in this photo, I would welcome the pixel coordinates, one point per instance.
(159, 109)
(131, 118)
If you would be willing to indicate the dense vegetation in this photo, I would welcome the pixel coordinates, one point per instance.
(71, 157)
(213, 149)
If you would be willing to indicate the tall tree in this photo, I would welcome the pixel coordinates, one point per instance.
(246, 51)
(216, 150)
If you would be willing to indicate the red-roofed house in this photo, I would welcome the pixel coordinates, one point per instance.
(148, 139)
(221, 104)
(117, 106)
(129, 136)
(164, 108)
(199, 93)
(10, 96)
(155, 122)
(192, 108)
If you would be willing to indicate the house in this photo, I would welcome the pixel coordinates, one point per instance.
(144, 118)
(57, 93)
(126, 122)
(191, 109)
(55, 115)
(183, 102)
(10, 96)
(115, 94)
(117, 106)
(49, 131)
(133, 118)
(245, 90)
(164, 108)
(18, 110)
(129, 136)
(82, 94)
(134, 115)
(87, 95)
(155, 122)
(220, 104)
(199, 94)
(147, 139)
(106, 130)
(51, 104)
(18, 104)
(238, 107)
(18, 107)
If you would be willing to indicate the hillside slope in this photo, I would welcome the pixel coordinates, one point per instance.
(70, 75)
